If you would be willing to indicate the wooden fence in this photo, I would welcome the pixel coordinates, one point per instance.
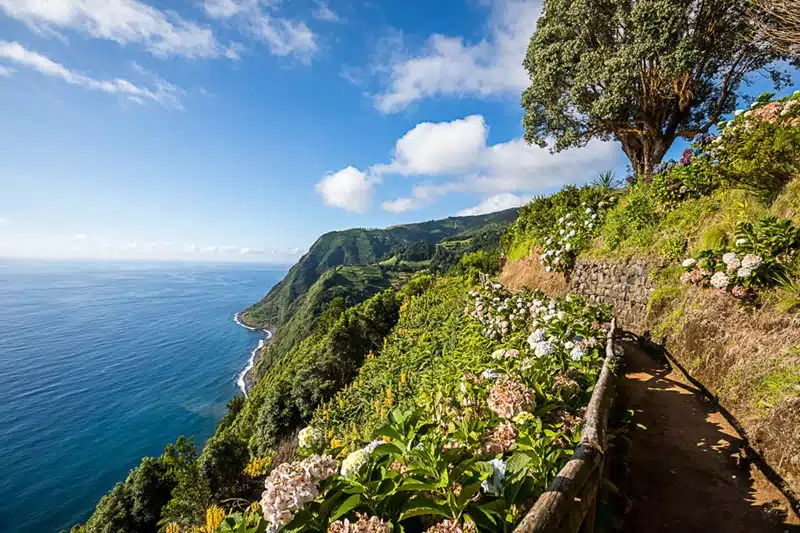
(569, 503)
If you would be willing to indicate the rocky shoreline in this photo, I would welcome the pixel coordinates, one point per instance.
(245, 380)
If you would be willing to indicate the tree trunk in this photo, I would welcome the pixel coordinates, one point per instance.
(644, 152)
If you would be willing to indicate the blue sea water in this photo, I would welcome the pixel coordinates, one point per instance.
(103, 363)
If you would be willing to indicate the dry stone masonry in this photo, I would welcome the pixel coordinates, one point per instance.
(624, 285)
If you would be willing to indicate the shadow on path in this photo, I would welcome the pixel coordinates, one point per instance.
(687, 472)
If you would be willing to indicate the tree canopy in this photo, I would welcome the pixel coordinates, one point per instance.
(643, 72)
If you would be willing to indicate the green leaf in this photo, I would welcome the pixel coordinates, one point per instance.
(424, 506)
(348, 505)
(417, 485)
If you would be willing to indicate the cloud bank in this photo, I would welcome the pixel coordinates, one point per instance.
(454, 157)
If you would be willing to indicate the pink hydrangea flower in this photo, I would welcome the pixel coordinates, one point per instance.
(509, 397)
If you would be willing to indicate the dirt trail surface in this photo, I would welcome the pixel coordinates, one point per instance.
(687, 471)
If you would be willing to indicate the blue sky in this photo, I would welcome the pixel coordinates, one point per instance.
(243, 129)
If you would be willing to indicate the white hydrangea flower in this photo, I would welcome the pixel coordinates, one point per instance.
(720, 280)
(751, 261)
(560, 315)
(568, 247)
(577, 353)
(588, 210)
(490, 373)
(569, 345)
(543, 348)
(561, 220)
(731, 260)
(310, 437)
(353, 462)
(537, 336)
(498, 354)
(494, 484)
(689, 262)
(744, 272)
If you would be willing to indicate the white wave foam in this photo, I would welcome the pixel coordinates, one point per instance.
(250, 363)
(236, 319)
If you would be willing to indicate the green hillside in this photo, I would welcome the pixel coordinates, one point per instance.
(355, 247)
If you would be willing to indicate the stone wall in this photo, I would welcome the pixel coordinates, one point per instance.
(624, 285)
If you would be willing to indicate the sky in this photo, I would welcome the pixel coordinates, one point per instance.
(244, 129)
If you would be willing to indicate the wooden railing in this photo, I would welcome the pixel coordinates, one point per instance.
(569, 503)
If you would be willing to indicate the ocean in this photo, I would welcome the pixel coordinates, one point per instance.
(104, 363)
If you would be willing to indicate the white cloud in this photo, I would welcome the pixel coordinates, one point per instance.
(3, 221)
(161, 92)
(324, 12)
(122, 21)
(6, 72)
(458, 154)
(498, 202)
(438, 148)
(349, 189)
(450, 66)
(79, 237)
(283, 36)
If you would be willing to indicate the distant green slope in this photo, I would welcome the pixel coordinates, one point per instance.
(354, 247)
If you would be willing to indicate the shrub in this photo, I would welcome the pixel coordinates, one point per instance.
(760, 149)
(674, 246)
(637, 214)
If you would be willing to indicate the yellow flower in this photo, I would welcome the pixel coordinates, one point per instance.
(389, 398)
(336, 443)
(172, 527)
(403, 378)
(214, 517)
(341, 403)
(258, 466)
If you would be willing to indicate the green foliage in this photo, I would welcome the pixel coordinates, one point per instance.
(605, 180)
(760, 156)
(353, 247)
(634, 218)
(478, 262)
(192, 493)
(777, 385)
(674, 246)
(248, 522)
(713, 238)
(414, 251)
(682, 182)
(222, 464)
(644, 73)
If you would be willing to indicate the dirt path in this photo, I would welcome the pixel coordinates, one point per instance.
(687, 472)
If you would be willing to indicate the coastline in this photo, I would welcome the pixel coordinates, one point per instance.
(244, 381)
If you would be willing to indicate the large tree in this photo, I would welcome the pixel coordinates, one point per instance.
(644, 72)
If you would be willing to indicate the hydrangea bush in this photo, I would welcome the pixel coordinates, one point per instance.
(573, 233)
(762, 253)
